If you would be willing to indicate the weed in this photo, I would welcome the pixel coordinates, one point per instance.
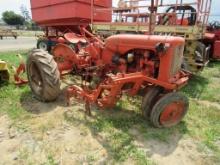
(50, 160)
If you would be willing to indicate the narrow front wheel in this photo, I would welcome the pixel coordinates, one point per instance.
(169, 110)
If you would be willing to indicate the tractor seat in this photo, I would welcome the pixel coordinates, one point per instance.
(74, 38)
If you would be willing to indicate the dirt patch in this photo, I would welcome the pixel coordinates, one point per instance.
(177, 150)
(58, 142)
(10, 141)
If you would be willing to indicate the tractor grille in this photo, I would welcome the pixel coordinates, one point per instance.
(177, 60)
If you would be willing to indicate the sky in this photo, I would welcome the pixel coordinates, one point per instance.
(15, 6)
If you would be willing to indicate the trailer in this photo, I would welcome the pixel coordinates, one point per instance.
(8, 33)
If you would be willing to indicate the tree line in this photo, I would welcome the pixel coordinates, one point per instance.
(23, 19)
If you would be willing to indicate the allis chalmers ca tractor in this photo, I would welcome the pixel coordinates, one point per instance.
(123, 64)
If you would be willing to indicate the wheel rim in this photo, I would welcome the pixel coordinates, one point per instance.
(172, 114)
(64, 56)
(36, 79)
(43, 46)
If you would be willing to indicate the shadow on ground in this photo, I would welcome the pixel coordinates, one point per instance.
(196, 86)
(30, 104)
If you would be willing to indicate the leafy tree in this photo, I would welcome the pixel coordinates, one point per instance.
(11, 18)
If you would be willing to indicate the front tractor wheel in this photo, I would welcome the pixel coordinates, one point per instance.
(169, 110)
(43, 75)
(149, 100)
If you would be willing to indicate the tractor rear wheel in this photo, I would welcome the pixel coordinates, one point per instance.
(169, 110)
(149, 100)
(43, 75)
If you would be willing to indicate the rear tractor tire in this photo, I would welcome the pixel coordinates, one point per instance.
(169, 110)
(43, 75)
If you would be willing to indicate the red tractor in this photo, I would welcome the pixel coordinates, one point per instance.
(212, 39)
(123, 64)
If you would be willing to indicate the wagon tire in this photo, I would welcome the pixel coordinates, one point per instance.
(43, 45)
(43, 75)
(149, 99)
(169, 110)
(200, 52)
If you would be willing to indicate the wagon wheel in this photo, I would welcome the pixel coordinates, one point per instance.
(200, 52)
(149, 100)
(43, 75)
(169, 110)
(43, 45)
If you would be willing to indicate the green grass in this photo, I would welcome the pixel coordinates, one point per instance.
(113, 128)
(204, 126)
(206, 86)
(10, 95)
(10, 100)
(11, 57)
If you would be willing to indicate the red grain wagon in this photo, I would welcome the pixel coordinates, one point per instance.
(69, 12)
(62, 16)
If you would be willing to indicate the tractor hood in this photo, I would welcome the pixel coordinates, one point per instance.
(123, 42)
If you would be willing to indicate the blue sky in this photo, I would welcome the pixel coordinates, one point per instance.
(15, 6)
